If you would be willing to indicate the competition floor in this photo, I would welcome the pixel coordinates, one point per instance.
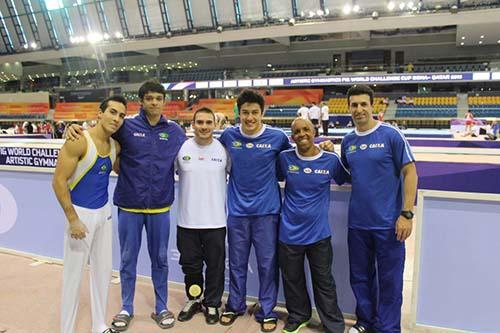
(30, 290)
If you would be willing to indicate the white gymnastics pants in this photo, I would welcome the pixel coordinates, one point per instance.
(96, 246)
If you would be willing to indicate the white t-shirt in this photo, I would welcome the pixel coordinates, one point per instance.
(202, 185)
(324, 113)
(314, 112)
(303, 112)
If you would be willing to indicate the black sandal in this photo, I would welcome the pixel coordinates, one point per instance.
(121, 318)
(269, 321)
(163, 316)
(228, 315)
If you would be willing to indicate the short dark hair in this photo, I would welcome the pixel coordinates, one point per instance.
(151, 86)
(250, 96)
(360, 89)
(115, 98)
(203, 110)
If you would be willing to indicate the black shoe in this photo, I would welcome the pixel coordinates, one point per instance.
(294, 327)
(191, 308)
(211, 315)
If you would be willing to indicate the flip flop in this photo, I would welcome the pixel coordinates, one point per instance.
(163, 316)
(228, 315)
(268, 321)
(121, 318)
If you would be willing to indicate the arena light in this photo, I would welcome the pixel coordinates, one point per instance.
(462, 43)
(53, 4)
(355, 8)
(409, 5)
(482, 36)
(34, 45)
(327, 11)
(105, 36)
(375, 15)
(402, 5)
(291, 22)
(320, 12)
(118, 34)
(346, 9)
(219, 29)
(94, 38)
(463, 37)
(454, 9)
(391, 5)
(480, 42)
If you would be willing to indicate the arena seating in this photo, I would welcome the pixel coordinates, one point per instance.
(428, 107)
(284, 111)
(484, 106)
(24, 111)
(450, 68)
(193, 75)
(338, 105)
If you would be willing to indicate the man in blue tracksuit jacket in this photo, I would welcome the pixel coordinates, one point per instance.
(144, 194)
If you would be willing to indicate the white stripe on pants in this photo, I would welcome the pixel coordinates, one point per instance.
(96, 246)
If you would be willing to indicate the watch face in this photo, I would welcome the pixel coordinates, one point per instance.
(407, 214)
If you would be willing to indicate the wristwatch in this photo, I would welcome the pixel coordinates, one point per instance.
(408, 214)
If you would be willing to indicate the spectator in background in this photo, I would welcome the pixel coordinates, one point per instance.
(325, 117)
(314, 116)
(59, 130)
(410, 67)
(18, 129)
(28, 127)
(303, 112)
(404, 125)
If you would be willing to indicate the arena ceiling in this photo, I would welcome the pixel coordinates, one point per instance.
(50, 30)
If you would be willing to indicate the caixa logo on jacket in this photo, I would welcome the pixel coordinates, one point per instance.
(163, 136)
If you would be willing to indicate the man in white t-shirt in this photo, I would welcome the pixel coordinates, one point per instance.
(201, 223)
(325, 118)
(303, 112)
(314, 115)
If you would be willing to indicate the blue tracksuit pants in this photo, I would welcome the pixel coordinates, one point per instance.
(262, 233)
(376, 260)
(130, 227)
